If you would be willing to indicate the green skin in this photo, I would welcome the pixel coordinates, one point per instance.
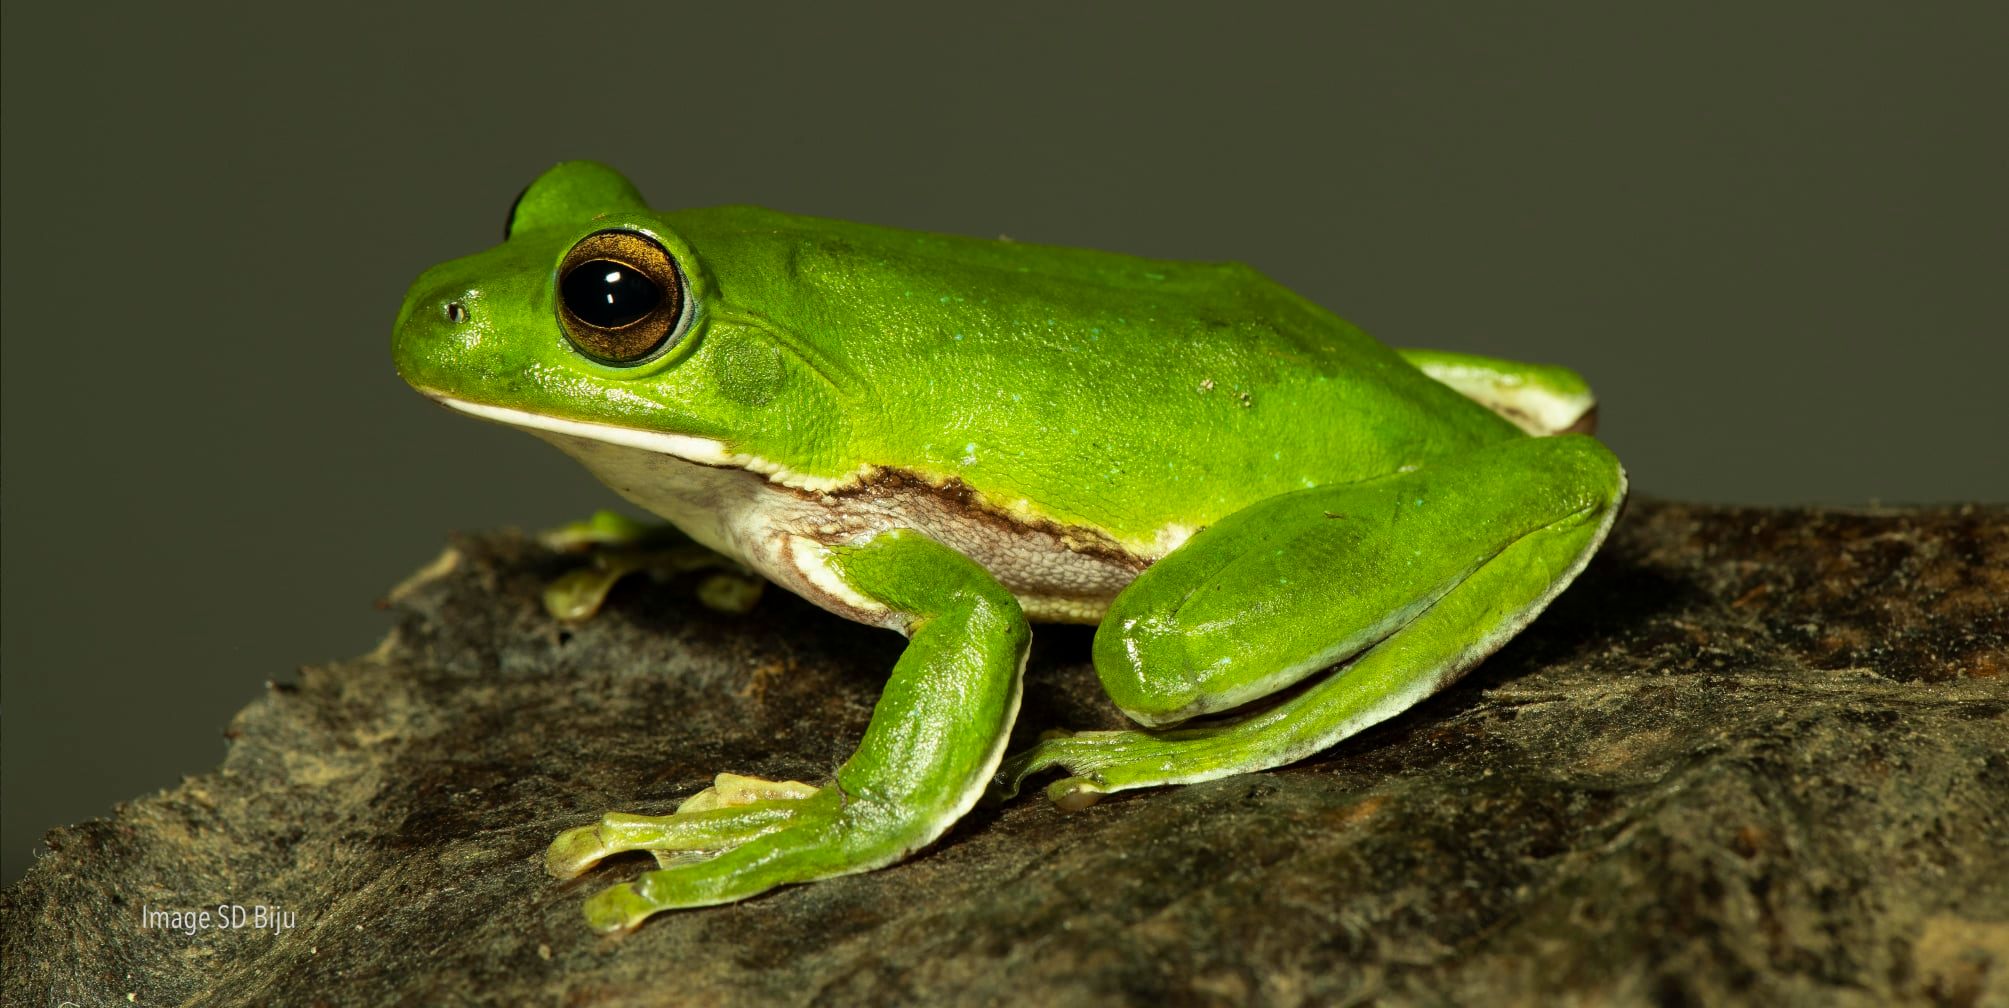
(944, 435)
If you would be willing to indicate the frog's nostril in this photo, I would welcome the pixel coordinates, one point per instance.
(456, 312)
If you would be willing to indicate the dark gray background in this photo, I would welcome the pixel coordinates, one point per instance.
(1772, 238)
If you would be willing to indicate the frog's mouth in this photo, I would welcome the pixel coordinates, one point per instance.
(689, 448)
(703, 451)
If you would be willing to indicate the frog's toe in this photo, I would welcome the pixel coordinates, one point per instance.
(616, 908)
(731, 592)
(714, 825)
(578, 849)
(1101, 762)
(732, 875)
(826, 840)
(624, 907)
(1073, 794)
(730, 790)
(577, 595)
(604, 528)
(1018, 766)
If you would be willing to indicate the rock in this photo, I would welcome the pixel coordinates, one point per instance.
(1753, 756)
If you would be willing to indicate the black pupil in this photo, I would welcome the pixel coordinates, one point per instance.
(606, 294)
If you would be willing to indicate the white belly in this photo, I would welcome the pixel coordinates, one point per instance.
(1059, 574)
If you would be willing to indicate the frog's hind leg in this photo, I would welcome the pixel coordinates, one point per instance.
(1405, 581)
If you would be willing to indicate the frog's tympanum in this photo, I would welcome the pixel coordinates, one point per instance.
(1279, 526)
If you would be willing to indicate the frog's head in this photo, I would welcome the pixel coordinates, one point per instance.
(585, 322)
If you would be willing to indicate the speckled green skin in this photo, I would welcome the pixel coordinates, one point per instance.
(1351, 510)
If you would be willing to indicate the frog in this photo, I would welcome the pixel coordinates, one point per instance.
(1283, 531)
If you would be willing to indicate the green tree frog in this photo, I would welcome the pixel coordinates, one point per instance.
(1255, 504)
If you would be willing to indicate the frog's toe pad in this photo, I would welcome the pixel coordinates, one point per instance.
(617, 908)
(576, 850)
(576, 595)
(731, 592)
(1074, 793)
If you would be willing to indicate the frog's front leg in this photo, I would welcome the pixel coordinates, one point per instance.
(935, 739)
(1404, 582)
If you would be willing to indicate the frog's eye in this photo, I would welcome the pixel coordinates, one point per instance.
(620, 297)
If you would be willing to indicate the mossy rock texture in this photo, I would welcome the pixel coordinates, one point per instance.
(1751, 757)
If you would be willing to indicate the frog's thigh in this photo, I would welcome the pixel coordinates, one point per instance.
(936, 737)
(1409, 580)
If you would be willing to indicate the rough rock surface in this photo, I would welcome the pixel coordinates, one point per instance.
(1753, 756)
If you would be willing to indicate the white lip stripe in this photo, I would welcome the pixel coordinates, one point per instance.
(683, 446)
(703, 451)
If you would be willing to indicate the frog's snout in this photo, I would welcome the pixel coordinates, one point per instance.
(445, 307)
(435, 327)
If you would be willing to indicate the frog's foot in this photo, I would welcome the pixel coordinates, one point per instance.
(621, 546)
(1101, 762)
(732, 811)
(741, 837)
(731, 791)
(1085, 756)
(607, 528)
(577, 595)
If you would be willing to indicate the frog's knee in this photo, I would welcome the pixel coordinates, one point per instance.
(1580, 459)
(1145, 670)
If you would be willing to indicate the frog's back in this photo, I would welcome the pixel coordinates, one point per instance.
(1137, 397)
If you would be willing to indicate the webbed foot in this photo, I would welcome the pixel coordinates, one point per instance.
(737, 838)
(1084, 755)
(732, 811)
